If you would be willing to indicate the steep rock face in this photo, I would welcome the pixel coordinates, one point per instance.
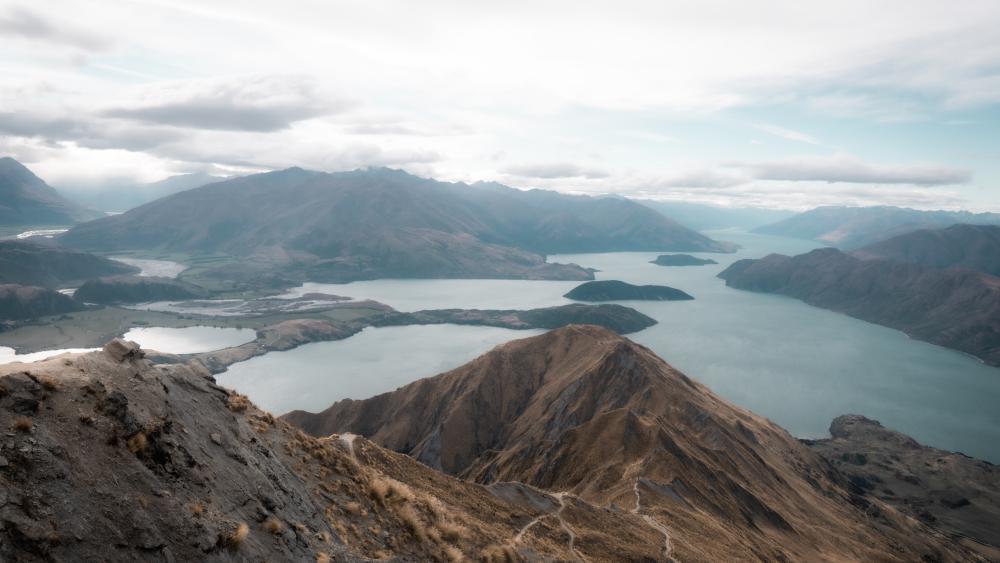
(614, 290)
(105, 457)
(136, 289)
(973, 247)
(27, 302)
(583, 411)
(384, 223)
(25, 199)
(959, 309)
(955, 493)
(29, 263)
(855, 227)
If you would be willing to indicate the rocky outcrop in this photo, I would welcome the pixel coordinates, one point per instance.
(614, 290)
(27, 263)
(27, 302)
(956, 308)
(586, 413)
(681, 260)
(136, 289)
(105, 457)
(955, 493)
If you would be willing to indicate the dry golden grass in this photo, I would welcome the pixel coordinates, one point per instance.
(236, 537)
(197, 508)
(137, 443)
(322, 558)
(273, 525)
(238, 403)
(354, 508)
(23, 424)
(48, 383)
(499, 554)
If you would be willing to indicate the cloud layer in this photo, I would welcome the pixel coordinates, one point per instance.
(771, 103)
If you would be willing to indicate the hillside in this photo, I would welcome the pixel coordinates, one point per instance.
(956, 493)
(589, 414)
(25, 199)
(107, 457)
(29, 263)
(383, 223)
(956, 308)
(854, 227)
(974, 247)
(27, 302)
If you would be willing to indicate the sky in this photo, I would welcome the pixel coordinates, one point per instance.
(788, 104)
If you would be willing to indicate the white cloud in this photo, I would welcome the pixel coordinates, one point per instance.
(788, 134)
(553, 170)
(19, 22)
(848, 169)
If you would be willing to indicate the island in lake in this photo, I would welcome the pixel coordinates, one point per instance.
(615, 290)
(681, 260)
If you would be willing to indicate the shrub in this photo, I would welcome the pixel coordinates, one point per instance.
(237, 535)
(137, 443)
(273, 525)
(237, 402)
(23, 424)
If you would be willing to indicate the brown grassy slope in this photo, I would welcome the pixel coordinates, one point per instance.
(104, 460)
(584, 411)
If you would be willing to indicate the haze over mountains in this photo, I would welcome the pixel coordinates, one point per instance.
(386, 223)
(854, 227)
(25, 199)
(120, 198)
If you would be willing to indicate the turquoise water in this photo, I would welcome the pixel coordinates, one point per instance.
(798, 365)
(376, 360)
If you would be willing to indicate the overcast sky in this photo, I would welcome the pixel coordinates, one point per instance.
(777, 103)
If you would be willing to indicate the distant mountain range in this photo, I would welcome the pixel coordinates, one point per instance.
(906, 282)
(704, 217)
(973, 247)
(119, 198)
(854, 227)
(386, 223)
(26, 200)
(595, 418)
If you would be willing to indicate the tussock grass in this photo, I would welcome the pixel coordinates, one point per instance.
(23, 424)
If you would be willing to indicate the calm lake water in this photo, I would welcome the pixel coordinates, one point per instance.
(376, 360)
(798, 365)
(189, 340)
(8, 355)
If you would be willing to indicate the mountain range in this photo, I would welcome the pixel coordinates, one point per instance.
(855, 227)
(973, 247)
(26, 200)
(379, 223)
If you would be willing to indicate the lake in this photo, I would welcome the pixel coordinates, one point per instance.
(189, 340)
(799, 365)
(373, 361)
